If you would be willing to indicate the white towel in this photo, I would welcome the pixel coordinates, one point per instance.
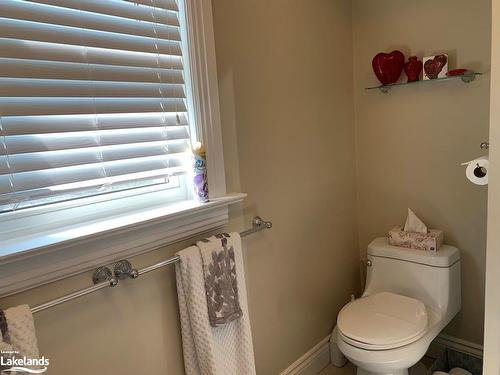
(221, 350)
(17, 333)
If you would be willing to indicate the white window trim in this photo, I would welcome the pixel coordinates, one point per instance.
(204, 87)
(31, 259)
(24, 270)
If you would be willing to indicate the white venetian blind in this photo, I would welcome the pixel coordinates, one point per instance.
(92, 98)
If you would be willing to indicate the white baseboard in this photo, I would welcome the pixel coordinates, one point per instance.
(446, 341)
(312, 362)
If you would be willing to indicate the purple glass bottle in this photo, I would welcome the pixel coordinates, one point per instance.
(200, 180)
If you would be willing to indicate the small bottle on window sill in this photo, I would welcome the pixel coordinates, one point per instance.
(200, 181)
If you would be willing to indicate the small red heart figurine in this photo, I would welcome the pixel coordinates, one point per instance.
(388, 66)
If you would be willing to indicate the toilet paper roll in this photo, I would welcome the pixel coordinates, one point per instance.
(477, 170)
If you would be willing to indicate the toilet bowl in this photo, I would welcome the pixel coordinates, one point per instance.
(410, 296)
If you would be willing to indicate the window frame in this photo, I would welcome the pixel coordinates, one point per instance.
(202, 84)
(31, 258)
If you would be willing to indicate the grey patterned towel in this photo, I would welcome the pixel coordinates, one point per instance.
(221, 286)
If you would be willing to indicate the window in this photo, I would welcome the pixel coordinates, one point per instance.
(99, 103)
(93, 99)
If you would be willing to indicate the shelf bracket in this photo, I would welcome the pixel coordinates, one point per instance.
(384, 89)
(467, 78)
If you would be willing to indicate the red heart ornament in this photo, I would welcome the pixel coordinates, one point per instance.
(388, 66)
(433, 67)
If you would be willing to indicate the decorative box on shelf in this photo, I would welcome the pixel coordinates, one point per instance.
(430, 241)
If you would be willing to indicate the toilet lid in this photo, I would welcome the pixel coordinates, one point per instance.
(383, 320)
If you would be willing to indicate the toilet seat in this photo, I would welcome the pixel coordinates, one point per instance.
(382, 321)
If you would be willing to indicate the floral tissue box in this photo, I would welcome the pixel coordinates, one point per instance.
(420, 241)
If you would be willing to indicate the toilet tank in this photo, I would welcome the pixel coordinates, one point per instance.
(431, 277)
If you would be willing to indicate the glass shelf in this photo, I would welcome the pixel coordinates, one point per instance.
(466, 77)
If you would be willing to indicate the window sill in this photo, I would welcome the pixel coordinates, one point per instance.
(31, 259)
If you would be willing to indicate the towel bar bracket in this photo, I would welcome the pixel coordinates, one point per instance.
(123, 269)
(258, 222)
(104, 274)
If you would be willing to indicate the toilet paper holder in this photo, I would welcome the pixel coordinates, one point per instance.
(477, 170)
(485, 145)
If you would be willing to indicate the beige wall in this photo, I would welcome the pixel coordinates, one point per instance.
(285, 72)
(410, 142)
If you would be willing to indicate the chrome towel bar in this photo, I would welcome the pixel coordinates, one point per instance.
(103, 277)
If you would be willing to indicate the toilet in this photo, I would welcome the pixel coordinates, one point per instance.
(410, 296)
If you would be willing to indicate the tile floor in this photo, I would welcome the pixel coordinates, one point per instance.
(349, 369)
